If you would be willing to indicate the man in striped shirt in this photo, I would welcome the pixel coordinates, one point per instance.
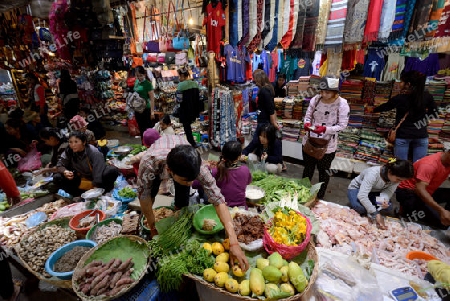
(171, 156)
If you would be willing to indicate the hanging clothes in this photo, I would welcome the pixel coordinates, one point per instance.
(214, 21)
(356, 21)
(301, 16)
(246, 22)
(428, 66)
(349, 60)
(304, 67)
(233, 23)
(231, 57)
(223, 122)
(273, 66)
(266, 25)
(399, 20)
(321, 30)
(373, 20)
(316, 62)
(311, 22)
(394, 66)
(421, 17)
(374, 64)
(274, 39)
(256, 41)
(444, 23)
(435, 16)
(241, 64)
(287, 37)
(387, 19)
(269, 28)
(334, 59)
(335, 25)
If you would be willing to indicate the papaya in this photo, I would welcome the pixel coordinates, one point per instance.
(297, 277)
(275, 260)
(271, 274)
(257, 283)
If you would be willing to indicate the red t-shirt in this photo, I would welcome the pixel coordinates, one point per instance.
(214, 21)
(7, 183)
(430, 170)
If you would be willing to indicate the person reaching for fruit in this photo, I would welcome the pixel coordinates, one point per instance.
(8, 185)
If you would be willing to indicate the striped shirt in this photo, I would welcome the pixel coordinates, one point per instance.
(154, 163)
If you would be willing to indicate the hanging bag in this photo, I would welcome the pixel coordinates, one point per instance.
(392, 134)
(181, 41)
(314, 146)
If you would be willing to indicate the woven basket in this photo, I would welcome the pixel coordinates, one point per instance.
(83, 261)
(212, 289)
(63, 222)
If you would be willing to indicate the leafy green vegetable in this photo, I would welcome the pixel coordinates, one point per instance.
(308, 268)
(127, 192)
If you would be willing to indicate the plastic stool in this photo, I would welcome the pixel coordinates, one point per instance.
(205, 138)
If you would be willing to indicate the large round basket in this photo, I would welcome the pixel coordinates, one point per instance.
(208, 291)
(122, 247)
(63, 222)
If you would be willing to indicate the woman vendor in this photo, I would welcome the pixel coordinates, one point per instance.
(56, 140)
(82, 167)
(17, 139)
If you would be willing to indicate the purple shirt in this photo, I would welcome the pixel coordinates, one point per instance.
(231, 55)
(233, 187)
(242, 57)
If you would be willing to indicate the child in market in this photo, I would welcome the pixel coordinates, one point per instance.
(231, 177)
(164, 126)
(378, 182)
(268, 149)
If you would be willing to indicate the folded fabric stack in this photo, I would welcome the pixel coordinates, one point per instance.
(446, 100)
(352, 91)
(437, 90)
(348, 142)
(386, 121)
(370, 146)
(287, 107)
(356, 115)
(386, 155)
(368, 92)
(279, 106)
(382, 92)
(396, 89)
(444, 135)
(435, 148)
(303, 85)
(297, 111)
(434, 128)
(291, 129)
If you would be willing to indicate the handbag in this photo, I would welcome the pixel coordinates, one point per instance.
(181, 58)
(152, 57)
(392, 134)
(170, 58)
(161, 58)
(316, 147)
(136, 102)
(181, 41)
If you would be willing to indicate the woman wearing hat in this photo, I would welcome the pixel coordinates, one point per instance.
(78, 123)
(327, 114)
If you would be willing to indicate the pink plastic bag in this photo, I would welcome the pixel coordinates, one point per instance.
(32, 161)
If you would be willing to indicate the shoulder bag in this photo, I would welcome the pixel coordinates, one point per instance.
(315, 147)
(392, 134)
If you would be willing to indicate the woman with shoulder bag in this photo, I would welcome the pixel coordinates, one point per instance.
(143, 86)
(327, 114)
(415, 107)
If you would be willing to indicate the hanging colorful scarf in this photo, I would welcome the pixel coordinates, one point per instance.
(444, 23)
(399, 21)
(435, 16)
(298, 37)
(373, 20)
(309, 35)
(387, 19)
(321, 31)
(410, 4)
(355, 23)
(421, 17)
(335, 25)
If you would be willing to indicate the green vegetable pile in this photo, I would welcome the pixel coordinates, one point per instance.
(177, 254)
(4, 206)
(137, 148)
(276, 187)
(127, 192)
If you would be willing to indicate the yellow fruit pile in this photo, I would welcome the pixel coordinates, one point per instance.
(273, 277)
(288, 228)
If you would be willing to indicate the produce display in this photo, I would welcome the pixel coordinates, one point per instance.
(98, 278)
(130, 224)
(208, 224)
(252, 193)
(87, 221)
(248, 228)
(69, 260)
(4, 206)
(162, 213)
(127, 192)
(277, 187)
(288, 227)
(137, 148)
(440, 272)
(40, 244)
(12, 228)
(69, 210)
(105, 232)
(272, 277)
(345, 231)
(178, 233)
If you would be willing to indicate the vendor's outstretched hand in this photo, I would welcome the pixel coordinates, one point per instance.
(236, 254)
(445, 218)
(380, 222)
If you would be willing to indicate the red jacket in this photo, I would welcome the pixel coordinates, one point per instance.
(7, 183)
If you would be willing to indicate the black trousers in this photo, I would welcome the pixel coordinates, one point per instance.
(182, 192)
(323, 165)
(143, 120)
(71, 108)
(188, 133)
(109, 176)
(7, 285)
(413, 209)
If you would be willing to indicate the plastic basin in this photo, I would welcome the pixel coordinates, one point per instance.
(55, 256)
(420, 255)
(75, 221)
(116, 195)
(102, 223)
(207, 212)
